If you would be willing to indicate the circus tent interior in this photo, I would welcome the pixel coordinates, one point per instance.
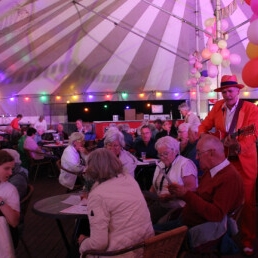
(58, 52)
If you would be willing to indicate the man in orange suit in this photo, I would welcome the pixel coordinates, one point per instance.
(228, 116)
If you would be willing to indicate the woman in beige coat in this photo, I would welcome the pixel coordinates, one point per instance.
(118, 214)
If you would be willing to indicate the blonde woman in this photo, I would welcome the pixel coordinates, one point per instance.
(118, 214)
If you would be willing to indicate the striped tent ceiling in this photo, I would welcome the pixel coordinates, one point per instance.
(63, 47)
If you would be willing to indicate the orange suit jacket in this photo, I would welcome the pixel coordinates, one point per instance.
(248, 115)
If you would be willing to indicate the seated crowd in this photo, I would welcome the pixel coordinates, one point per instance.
(189, 181)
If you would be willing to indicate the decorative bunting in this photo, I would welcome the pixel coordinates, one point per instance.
(228, 10)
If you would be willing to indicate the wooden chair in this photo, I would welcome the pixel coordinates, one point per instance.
(90, 145)
(24, 207)
(164, 245)
(38, 162)
(212, 248)
(78, 174)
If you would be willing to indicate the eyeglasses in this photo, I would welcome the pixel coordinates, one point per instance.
(164, 154)
(198, 153)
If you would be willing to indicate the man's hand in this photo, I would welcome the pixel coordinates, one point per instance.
(177, 190)
(232, 144)
(81, 238)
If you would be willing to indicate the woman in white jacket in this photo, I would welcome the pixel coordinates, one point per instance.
(118, 214)
(114, 141)
(73, 159)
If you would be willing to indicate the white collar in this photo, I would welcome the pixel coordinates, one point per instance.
(219, 167)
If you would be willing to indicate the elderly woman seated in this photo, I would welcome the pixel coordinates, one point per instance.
(19, 177)
(114, 141)
(73, 159)
(118, 214)
(172, 168)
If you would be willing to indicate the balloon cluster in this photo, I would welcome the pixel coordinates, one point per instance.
(216, 48)
(198, 76)
(250, 70)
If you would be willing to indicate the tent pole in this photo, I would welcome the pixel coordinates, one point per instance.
(197, 48)
(218, 37)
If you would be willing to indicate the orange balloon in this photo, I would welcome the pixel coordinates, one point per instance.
(206, 53)
(250, 73)
(252, 50)
(248, 1)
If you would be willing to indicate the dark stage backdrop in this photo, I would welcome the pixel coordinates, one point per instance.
(104, 111)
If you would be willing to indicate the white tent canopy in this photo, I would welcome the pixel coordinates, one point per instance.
(84, 50)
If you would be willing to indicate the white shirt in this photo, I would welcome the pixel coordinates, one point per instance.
(10, 195)
(180, 168)
(219, 167)
(229, 115)
(41, 125)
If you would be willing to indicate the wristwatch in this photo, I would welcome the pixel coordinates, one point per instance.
(2, 203)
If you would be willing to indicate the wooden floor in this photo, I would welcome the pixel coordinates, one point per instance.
(42, 235)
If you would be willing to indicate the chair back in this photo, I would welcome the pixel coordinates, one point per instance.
(236, 213)
(164, 245)
(78, 184)
(24, 207)
(59, 165)
(29, 157)
(26, 200)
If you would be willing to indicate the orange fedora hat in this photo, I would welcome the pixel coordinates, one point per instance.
(229, 81)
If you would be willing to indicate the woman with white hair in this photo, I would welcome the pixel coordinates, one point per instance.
(114, 141)
(19, 177)
(73, 159)
(188, 115)
(183, 135)
(172, 168)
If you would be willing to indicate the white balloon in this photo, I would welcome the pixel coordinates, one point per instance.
(216, 58)
(222, 44)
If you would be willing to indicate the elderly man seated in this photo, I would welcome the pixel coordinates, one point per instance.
(146, 144)
(219, 193)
